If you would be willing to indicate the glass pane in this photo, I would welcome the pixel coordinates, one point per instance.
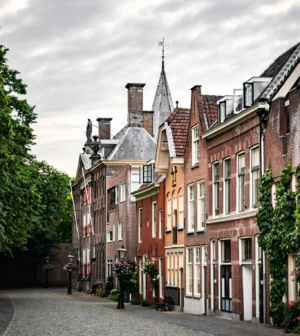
(258, 88)
(255, 157)
(201, 190)
(242, 164)
(227, 168)
(216, 172)
(222, 112)
(248, 94)
(191, 193)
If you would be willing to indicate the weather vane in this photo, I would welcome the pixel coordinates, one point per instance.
(162, 43)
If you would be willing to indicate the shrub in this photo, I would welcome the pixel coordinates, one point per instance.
(292, 315)
(144, 303)
(101, 292)
(277, 313)
(135, 301)
(114, 296)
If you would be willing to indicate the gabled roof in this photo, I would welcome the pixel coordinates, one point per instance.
(135, 143)
(208, 110)
(280, 69)
(178, 121)
(83, 162)
(162, 104)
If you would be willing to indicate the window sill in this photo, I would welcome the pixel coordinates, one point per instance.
(190, 232)
(239, 215)
(120, 239)
(188, 296)
(168, 230)
(180, 229)
(196, 165)
(200, 230)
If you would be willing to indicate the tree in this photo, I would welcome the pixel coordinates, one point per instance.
(19, 199)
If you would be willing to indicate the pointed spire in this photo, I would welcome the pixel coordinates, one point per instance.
(162, 104)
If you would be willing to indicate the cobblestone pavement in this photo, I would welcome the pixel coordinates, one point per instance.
(52, 312)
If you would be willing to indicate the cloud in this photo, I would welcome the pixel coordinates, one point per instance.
(77, 56)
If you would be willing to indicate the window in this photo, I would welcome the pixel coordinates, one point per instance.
(201, 209)
(189, 278)
(116, 194)
(197, 271)
(246, 249)
(122, 192)
(147, 173)
(222, 111)
(160, 273)
(140, 224)
(226, 251)
(173, 172)
(227, 186)
(120, 230)
(168, 269)
(175, 228)
(241, 182)
(195, 145)
(213, 251)
(216, 188)
(248, 94)
(110, 236)
(191, 212)
(254, 175)
(160, 223)
(140, 276)
(109, 267)
(169, 212)
(181, 213)
(111, 198)
(154, 219)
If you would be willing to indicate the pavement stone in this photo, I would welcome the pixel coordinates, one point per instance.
(51, 312)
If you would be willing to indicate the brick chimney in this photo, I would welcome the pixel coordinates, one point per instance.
(135, 104)
(148, 121)
(104, 128)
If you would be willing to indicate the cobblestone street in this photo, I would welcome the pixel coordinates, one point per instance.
(52, 312)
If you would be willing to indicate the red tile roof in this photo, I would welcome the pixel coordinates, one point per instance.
(208, 110)
(178, 120)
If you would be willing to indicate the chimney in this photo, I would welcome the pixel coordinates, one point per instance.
(135, 104)
(196, 87)
(148, 121)
(104, 128)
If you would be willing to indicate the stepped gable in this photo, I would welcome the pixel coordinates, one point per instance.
(179, 124)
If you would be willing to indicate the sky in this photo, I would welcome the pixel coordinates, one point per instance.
(76, 56)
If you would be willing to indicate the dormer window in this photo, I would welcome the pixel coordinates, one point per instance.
(225, 108)
(253, 88)
(147, 173)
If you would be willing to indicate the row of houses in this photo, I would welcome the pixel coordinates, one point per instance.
(179, 186)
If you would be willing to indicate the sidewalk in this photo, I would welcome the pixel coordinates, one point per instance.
(208, 324)
(6, 312)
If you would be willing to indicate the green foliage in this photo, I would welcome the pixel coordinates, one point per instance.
(109, 285)
(135, 301)
(101, 292)
(144, 303)
(291, 315)
(277, 313)
(19, 198)
(150, 268)
(278, 231)
(130, 282)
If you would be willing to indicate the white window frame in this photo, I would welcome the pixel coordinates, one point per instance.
(160, 279)
(226, 183)
(168, 269)
(160, 218)
(197, 271)
(242, 242)
(181, 209)
(189, 271)
(123, 192)
(255, 173)
(191, 208)
(240, 185)
(140, 223)
(195, 145)
(201, 206)
(216, 189)
(169, 212)
(140, 276)
(120, 230)
(109, 267)
(154, 218)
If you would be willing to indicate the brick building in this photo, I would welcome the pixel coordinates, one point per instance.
(203, 115)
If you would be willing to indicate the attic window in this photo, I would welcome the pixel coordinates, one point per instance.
(225, 107)
(222, 111)
(253, 88)
(146, 173)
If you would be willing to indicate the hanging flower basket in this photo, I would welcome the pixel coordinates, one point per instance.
(70, 267)
(123, 268)
(48, 267)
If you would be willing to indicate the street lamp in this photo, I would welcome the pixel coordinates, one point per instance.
(48, 267)
(121, 254)
(70, 268)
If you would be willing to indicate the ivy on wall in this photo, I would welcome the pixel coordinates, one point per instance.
(279, 226)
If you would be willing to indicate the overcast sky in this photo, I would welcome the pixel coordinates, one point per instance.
(76, 56)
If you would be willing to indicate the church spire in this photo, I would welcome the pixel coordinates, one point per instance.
(162, 104)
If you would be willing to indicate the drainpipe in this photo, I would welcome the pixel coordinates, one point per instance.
(181, 289)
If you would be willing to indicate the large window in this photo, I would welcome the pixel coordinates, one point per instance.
(140, 224)
(191, 208)
(160, 223)
(254, 175)
(120, 230)
(241, 182)
(123, 188)
(226, 251)
(110, 236)
(109, 267)
(226, 279)
(154, 219)
(181, 207)
(227, 186)
(216, 188)
(169, 212)
(161, 274)
(201, 208)
(189, 278)
(195, 144)
(246, 249)
(197, 271)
